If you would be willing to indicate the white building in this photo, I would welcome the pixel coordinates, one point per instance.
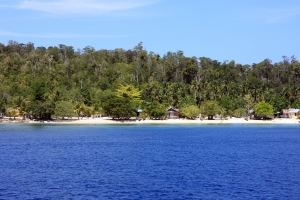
(290, 113)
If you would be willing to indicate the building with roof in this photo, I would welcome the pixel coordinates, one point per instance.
(173, 113)
(290, 113)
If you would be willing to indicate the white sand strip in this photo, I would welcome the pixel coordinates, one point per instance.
(182, 121)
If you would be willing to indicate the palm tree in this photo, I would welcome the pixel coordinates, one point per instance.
(79, 108)
(194, 87)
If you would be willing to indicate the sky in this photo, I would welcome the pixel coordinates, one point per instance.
(244, 31)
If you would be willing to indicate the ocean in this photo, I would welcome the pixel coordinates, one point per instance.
(47, 161)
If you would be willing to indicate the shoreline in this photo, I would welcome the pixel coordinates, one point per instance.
(184, 121)
(148, 121)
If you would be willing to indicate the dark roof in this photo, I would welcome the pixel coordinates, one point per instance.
(172, 109)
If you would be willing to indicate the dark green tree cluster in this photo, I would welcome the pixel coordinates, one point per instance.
(40, 82)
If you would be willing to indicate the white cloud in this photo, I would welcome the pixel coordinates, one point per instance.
(83, 6)
(54, 35)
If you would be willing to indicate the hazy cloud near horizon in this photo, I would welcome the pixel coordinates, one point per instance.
(83, 6)
(55, 35)
(244, 31)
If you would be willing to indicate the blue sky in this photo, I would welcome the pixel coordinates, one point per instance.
(244, 31)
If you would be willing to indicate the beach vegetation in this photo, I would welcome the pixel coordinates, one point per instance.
(264, 109)
(240, 112)
(119, 108)
(210, 108)
(190, 112)
(35, 80)
(64, 109)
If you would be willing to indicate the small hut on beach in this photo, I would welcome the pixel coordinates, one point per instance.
(173, 113)
(290, 113)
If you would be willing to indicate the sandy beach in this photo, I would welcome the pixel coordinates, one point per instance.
(181, 121)
(104, 120)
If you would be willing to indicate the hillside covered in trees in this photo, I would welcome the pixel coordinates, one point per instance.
(61, 81)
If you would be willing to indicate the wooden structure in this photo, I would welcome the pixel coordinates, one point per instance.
(290, 113)
(173, 113)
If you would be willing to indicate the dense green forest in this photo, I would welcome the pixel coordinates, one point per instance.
(61, 81)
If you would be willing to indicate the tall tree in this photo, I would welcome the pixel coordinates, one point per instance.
(264, 109)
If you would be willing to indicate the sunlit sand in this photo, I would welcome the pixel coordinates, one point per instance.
(105, 120)
(182, 121)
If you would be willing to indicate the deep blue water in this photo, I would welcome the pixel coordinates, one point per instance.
(149, 161)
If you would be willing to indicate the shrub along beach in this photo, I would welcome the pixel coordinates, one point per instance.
(59, 83)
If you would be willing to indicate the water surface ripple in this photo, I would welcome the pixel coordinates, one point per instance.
(149, 161)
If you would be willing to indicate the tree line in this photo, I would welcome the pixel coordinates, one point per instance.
(60, 81)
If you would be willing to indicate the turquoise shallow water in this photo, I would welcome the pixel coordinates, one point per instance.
(149, 161)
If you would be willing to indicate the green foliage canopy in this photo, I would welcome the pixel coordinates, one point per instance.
(264, 109)
(64, 109)
(130, 93)
(210, 108)
(190, 112)
(34, 79)
(117, 107)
